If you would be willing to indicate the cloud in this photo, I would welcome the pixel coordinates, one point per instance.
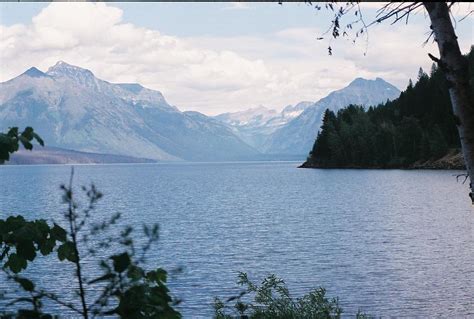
(94, 36)
(210, 74)
(394, 53)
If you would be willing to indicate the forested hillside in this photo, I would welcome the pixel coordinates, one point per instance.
(417, 127)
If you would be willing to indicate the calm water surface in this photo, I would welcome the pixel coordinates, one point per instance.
(389, 242)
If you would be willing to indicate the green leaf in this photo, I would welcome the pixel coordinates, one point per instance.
(13, 132)
(121, 262)
(38, 139)
(16, 263)
(25, 283)
(26, 144)
(67, 251)
(4, 155)
(42, 226)
(58, 233)
(47, 246)
(158, 276)
(3, 229)
(27, 133)
(14, 222)
(135, 273)
(26, 249)
(27, 232)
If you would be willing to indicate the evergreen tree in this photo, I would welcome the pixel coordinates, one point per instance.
(419, 125)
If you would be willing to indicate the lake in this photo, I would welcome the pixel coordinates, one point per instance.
(392, 243)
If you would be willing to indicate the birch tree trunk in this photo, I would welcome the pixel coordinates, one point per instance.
(455, 67)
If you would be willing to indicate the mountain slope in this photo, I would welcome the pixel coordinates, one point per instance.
(53, 155)
(252, 117)
(298, 135)
(255, 125)
(71, 108)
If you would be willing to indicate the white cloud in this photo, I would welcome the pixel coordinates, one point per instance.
(93, 36)
(209, 74)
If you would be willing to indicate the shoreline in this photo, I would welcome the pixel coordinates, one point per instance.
(453, 160)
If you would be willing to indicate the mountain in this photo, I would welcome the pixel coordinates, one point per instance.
(71, 108)
(255, 125)
(297, 136)
(252, 117)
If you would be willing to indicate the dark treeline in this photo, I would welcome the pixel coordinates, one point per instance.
(418, 126)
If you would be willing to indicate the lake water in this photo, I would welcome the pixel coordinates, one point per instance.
(393, 243)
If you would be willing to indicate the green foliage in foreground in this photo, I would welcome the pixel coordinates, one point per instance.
(417, 126)
(10, 141)
(272, 300)
(125, 288)
(20, 240)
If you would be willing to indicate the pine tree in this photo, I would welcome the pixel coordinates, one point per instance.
(417, 126)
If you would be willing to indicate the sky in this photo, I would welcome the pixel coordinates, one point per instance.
(216, 57)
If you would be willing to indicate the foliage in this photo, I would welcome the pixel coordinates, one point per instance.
(419, 125)
(10, 141)
(125, 288)
(21, 239)
(272, 300)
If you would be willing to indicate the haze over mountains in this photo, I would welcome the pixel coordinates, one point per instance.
(72, 109)
(293, 131)
(256, 124)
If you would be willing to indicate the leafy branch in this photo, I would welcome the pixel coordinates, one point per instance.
(10, 141)
(125, 288)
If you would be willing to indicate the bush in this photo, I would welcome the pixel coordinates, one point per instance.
(124, 288)
(272, 300)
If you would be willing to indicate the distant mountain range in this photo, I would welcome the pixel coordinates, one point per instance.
(294, 130)
(256, 124)
(72, 109)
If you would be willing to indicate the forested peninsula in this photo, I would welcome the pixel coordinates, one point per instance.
(417, 130)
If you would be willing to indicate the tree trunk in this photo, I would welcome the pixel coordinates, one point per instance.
(455, 67)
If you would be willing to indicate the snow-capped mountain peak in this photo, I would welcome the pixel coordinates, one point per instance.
(292, 111)
(255, 124)
(255, 116)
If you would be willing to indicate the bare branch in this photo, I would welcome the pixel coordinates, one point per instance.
(428, 39)
(398, 10)
(467, 15)
(466, 176)
(432, 57)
